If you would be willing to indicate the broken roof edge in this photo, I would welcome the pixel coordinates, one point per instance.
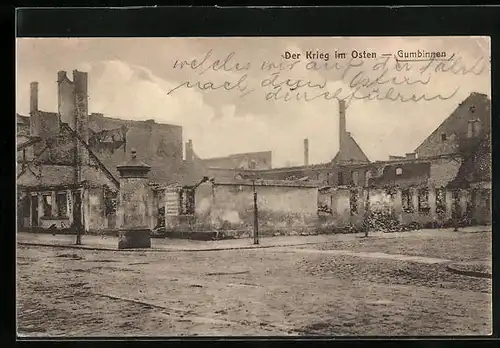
(264, 182)
(241, 154)
(98, 115)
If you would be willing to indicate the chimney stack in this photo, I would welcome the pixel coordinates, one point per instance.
(306, 152)
(189, 151)
(61, 75)
(33, 97)
(342, 124)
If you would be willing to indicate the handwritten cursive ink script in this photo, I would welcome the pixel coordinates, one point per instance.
(239, 85)
(385, 78)
(227, 64)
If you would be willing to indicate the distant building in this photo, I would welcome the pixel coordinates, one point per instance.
(258, 164)
(248, 160)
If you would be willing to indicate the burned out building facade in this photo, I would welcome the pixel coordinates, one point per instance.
(416, 190)
(67, 173)
(66, 160)
(59, 178)
(445, 181)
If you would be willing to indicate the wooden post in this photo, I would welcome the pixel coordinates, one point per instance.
(77, 216)
(54, 204)
(255, 217)
(367, 211)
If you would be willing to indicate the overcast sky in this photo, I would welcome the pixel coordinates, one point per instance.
(130, 78)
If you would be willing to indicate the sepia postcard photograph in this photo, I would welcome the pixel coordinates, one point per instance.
(253, 186)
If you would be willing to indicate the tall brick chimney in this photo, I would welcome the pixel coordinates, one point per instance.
(189, 151)
(33, 97)
(42, 124)
(306, 152)
(61, 75)
(342, 125)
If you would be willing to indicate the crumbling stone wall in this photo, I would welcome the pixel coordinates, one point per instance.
(336, 214)
(228, 209)
(280, 209)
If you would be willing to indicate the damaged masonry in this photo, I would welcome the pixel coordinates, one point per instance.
(71, 176)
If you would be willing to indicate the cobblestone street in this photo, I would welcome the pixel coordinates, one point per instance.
(291, 290)
(251, 186)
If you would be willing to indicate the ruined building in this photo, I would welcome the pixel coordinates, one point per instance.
(249, 160)
(287, 197)
(447, 179)
(66, 160)
(66, 175)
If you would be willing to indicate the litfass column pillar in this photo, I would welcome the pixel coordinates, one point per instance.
(134, 231)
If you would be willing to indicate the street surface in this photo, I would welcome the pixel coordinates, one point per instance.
(371, 286)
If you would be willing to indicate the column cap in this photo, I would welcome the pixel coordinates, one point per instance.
(133, 168)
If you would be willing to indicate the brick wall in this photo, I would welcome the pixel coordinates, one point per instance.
(159, 145)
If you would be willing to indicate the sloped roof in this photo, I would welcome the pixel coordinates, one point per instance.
(65, 127)
(457, 121)
(29, 142)
(45, 176)
(192, 172)
(351, 152)
(21, 119)
(101, 165)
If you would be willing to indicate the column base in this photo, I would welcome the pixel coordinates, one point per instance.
(134, 238)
